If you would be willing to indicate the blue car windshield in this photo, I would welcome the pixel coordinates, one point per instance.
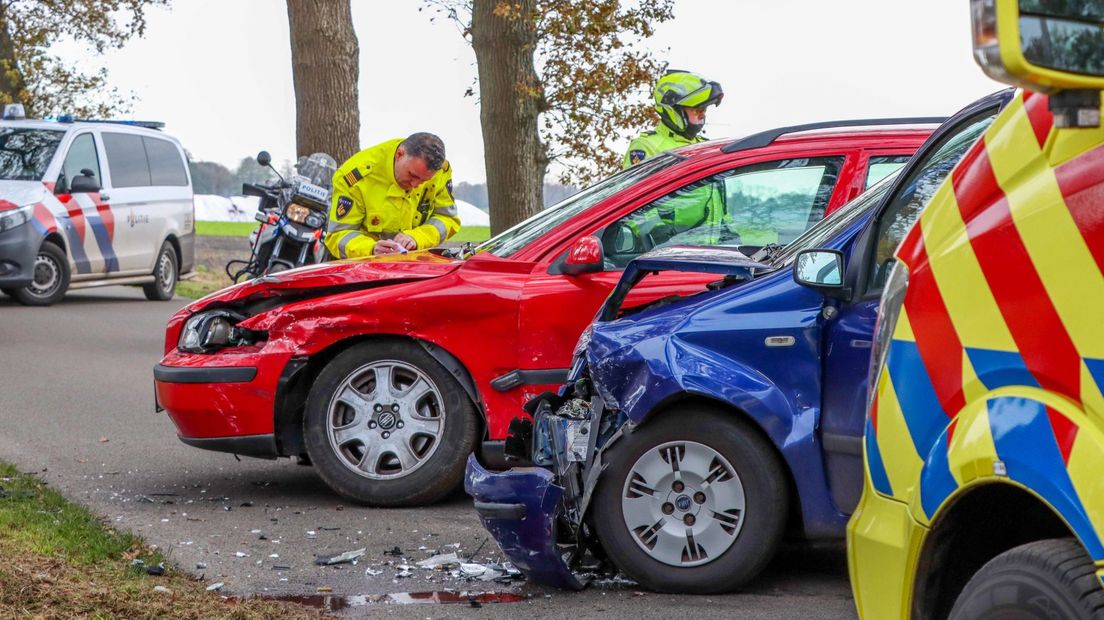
(505, 244)
(839, 220)
(25, 152)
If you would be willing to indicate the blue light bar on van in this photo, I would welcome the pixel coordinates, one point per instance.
(68, 118)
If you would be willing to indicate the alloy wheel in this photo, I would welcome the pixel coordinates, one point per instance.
(684, 503)
(384, 421)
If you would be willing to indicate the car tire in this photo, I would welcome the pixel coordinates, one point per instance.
(402, 445)
(1044, 579)
(738, 519)
(51, 278)
(165, 275)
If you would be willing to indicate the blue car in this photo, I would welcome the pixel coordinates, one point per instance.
(696, 431)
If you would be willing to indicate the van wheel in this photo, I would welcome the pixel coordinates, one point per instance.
(1041, 580)
(164, 273)
(386, 425)
(51, 278)
(695, 501)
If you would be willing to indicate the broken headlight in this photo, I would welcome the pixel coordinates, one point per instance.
(206, 332)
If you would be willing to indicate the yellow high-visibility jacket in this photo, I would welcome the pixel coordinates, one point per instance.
(368, 205)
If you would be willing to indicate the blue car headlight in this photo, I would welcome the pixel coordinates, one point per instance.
(15, 217)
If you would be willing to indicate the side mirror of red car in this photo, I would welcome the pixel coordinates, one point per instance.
(585, 256)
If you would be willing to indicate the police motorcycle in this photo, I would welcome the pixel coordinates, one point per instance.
(292, 215)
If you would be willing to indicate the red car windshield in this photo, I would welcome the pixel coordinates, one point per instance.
(510, 241)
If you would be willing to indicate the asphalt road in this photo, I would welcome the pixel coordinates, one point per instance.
(76, 407)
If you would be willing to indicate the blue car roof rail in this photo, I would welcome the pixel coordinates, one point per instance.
(763, 138)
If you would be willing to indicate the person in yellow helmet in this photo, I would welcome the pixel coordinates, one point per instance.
(392, 198)
(681, 99)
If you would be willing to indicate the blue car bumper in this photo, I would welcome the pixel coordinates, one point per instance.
(518, 507)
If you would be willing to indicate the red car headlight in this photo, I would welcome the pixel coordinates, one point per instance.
(209, 331)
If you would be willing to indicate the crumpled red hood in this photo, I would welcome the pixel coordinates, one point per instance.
(340, 274)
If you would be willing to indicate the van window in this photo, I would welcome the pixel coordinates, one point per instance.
(126, 156)
(165, 165)
(25, 153)
(81, 155)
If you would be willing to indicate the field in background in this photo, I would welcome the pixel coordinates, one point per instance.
(242, 229)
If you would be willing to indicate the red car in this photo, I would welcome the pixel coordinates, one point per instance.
(387, 372)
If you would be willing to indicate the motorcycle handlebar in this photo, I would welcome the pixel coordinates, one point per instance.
(261, 191)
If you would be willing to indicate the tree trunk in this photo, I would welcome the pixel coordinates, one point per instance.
(13, 87)
(325, 68)
(509, 99)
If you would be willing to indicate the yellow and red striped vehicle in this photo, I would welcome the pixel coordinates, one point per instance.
(984, 446)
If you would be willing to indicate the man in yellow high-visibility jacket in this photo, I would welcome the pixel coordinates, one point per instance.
(392, 198)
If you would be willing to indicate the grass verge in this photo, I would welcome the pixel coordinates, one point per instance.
(224, 229)
(61, 561)
(204, 283)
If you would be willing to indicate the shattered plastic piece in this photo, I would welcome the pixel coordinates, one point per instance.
(348, 556)
(162, 590)
(280, 567)
(201, 565)
(372, 572)
(215, 587)
(241, 554)
(325, 589)
(394, 551)
(472, 570)
(156, 570)
(440, 561)
(136, 563)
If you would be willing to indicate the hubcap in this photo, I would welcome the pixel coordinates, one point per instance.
(47, 276)
(385, 420)
(683, 503)
(167, 272)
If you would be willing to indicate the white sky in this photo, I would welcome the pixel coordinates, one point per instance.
(219, 72)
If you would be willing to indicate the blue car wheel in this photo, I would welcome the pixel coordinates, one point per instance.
(693, 501)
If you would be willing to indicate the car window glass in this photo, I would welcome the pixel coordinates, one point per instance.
(838, 221)
(81, 156)
(26, 153)
(126, 156)
(505, 244)
(881, 166)
(165, 165)
(916, 191)
(770, 202)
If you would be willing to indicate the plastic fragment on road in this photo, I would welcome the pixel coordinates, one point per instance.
(162, 590)
(440, 561)
(215, 587)
(342, 558)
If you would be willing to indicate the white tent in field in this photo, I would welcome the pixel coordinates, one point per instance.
(471, 215)
(210, 208)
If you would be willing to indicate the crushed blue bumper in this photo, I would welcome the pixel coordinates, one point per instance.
(518, 507)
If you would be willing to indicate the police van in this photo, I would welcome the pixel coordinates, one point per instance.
(91, 203)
